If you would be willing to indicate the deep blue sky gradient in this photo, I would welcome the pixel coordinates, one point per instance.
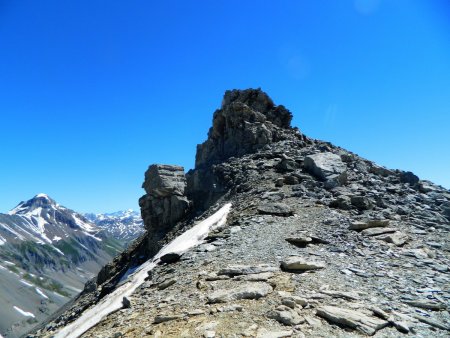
(92, 92)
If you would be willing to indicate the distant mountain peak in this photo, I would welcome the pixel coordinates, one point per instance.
(39, 201)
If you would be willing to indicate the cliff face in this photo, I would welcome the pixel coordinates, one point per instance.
(246, 122)
(319, 242)
(165, 202)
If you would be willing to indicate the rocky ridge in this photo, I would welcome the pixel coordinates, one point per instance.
(319, 242)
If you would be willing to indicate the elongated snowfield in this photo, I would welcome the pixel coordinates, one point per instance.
(113, 301)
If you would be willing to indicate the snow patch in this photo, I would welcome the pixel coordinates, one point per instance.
(20, 207)
(113, 301)
(58, 251)
(25, 282)
(24, 313)
(39, 291)
(83, 225)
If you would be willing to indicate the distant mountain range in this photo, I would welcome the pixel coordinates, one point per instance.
(48, 252)
(123, 225)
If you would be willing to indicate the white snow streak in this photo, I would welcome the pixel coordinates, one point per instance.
(39, 291)
(25, 313)
(58, 251)
(83, 225)
(113, 301)
(25, 282)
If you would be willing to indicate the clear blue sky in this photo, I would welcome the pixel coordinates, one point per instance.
(92, 92)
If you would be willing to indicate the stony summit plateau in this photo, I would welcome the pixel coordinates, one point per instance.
(284, 236)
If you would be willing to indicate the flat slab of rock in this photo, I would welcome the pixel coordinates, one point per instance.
(278, 209)
(256, 277)
(432, 322)
(375, 223)
(242, 291)
(298, 264)
(236, 270)
(426, 304)
(300, 241)
(398, 238)
(341, 294)
(377, 231)
(166, 318)
(264, 333)
(352, 319)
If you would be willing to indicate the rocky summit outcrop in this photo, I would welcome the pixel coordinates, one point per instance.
(165, 202)
(319, 242)
(247, 121)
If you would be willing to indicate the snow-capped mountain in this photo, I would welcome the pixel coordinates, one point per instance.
(124, 225)
(47, 253)
(43, 221)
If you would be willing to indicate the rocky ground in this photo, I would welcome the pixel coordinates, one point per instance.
(319, 243)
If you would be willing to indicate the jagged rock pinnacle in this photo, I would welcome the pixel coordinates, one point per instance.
(247, 121)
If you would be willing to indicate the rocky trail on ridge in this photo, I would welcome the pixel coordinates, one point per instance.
(319, 242)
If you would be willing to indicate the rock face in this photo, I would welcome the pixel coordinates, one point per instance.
(247, 121)
(164, 180)
(319, 242)
(165, 202)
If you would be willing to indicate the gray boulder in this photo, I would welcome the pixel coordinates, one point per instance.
(164, 180)
(361, 203)
(397, 238)
(296, 263)
(165, 203)
(409, 177)
(327, 167)
(286, 316)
